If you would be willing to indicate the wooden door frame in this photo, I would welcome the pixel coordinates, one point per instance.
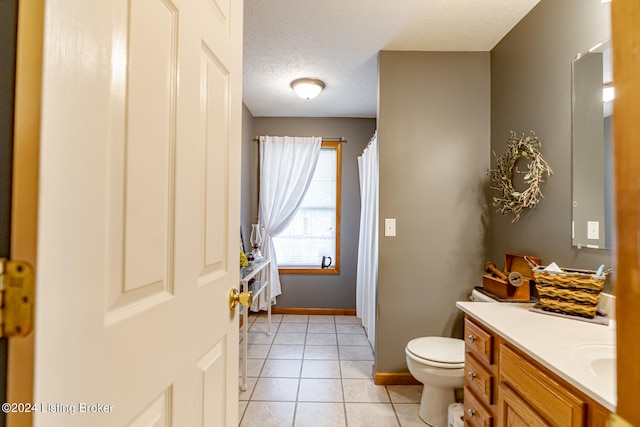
(24, 204)
(625, 16)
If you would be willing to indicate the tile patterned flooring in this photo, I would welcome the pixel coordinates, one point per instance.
(316, 371)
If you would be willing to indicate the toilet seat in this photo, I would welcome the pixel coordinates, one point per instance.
(440, 352)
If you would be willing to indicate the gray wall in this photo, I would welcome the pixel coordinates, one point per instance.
(317, 290)
(434, 136)
(249, 184)
(531, 90)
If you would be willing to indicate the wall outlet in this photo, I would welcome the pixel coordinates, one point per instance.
(593, 230)
(390, 227)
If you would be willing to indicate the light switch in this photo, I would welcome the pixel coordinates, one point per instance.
(390, 227)
(593, 230)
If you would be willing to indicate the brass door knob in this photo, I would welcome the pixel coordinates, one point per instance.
(244, 298)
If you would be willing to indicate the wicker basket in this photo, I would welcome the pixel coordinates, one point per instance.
(574, 292)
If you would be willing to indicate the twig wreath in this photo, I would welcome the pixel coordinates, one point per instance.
(510, 200)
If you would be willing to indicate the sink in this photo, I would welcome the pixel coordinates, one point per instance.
(604, 368)
(599, 360)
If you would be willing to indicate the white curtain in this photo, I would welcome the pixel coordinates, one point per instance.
(367, 273)
(287, 165)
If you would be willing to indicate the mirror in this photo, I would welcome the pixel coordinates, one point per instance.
(592, 157)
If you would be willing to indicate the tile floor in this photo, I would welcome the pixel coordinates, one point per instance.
(316, 371)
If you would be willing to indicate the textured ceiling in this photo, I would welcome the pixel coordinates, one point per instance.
(338, 42)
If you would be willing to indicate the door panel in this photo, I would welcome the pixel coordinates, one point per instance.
(221, 10)
(138, 213)
(215, 140)
(157, 414)
(141, 163)
(149, 144)
(212, 367)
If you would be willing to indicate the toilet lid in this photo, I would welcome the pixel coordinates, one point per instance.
(438, 349)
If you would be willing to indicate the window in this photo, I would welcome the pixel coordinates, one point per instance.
(314, 232)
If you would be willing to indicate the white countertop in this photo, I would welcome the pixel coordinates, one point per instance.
(565, 346)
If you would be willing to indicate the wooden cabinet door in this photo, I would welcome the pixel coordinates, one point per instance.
(514, 412)
(544, 392)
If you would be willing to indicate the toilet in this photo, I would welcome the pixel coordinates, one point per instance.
(438, 363)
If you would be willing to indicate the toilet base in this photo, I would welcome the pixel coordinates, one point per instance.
(435, 404)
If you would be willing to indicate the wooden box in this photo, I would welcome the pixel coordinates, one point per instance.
(502, 288)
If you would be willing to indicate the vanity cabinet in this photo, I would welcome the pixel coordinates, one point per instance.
(480, 375)
(505, 387)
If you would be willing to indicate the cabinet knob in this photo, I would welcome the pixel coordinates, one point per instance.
(471, 375)
(471, 339)
(470, 412)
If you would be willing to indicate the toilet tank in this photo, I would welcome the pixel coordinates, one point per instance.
(478, 296)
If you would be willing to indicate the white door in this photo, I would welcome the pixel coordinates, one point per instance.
(138, 214)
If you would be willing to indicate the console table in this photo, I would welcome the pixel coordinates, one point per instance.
(257, 287)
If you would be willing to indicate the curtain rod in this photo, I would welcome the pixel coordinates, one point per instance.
(341, 139)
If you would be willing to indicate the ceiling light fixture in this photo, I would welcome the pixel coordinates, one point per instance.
(307, 88)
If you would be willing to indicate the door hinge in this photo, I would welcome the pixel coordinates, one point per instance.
(16, 298)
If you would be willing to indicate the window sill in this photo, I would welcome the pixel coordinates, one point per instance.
(309, 270)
